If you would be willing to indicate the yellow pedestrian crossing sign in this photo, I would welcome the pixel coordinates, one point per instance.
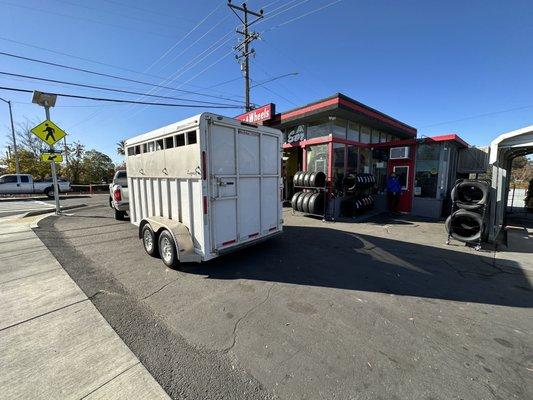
(55, 157)
(48, 132)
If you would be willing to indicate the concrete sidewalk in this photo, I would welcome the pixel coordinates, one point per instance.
(54, 344)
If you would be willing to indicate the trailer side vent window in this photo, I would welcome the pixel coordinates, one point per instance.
(131, 151)
(145, 147)
(191, 137)
(159, 144)
(138, 149)
(169, 142)
(150, 147)
(180, 140)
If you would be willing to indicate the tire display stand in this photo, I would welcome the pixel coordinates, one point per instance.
(472, 209)
(358, 192)
(306, 194)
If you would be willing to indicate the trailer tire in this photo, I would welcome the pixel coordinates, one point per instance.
(49, 192)
(167, 249)
(149, 240)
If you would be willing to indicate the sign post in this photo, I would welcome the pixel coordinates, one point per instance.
(50, 133)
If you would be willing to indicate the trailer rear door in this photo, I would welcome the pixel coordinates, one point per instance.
(244, 164)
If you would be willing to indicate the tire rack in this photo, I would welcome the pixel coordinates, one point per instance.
(364, 191)
(324, 189)
(454, 208)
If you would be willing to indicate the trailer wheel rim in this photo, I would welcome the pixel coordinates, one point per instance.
(148, 240)
(166, 249)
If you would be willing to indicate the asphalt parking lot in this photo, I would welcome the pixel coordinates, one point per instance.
(374, 310)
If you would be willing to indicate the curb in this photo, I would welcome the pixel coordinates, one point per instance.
(51, 210)
(61, 197)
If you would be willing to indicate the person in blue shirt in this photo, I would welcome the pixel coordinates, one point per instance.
(394, 190)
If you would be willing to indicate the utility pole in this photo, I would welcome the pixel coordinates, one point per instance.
(17, 166)
(243, 47)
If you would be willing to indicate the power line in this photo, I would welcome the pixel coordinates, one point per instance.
(112, 76)
(98, 62)
(74, 96)
(182, 39)
(477, 116)
(303, 15)
(146, 10)
(104, 88)
(274, 79)
(85, 19)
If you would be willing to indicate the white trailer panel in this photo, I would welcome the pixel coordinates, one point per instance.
(218, 177)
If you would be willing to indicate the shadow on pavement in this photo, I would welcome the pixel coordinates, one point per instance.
(331, 258)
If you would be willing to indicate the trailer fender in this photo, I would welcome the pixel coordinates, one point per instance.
(180, 233)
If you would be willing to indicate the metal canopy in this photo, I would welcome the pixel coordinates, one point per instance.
(503, 150)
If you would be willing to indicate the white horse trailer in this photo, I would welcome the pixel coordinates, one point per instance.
(204, 186)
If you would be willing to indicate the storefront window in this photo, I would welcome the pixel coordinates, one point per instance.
(339, 128)
(353, 132)
(365, 134)
(352, 159)
(319, 128)
(427, 169)
(365, 160)
(317, 158)
(294, 134)
(338, 164)
(375, 136)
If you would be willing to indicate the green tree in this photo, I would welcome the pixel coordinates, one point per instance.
(74, 166)
(30, 164)
(121, 148)
(96, 167)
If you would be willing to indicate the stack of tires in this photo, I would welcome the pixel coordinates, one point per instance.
(354, 182)
(470, 199)
(356, 205)
(308, 202)
(309, 179)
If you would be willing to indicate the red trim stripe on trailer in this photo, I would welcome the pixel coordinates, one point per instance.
(229, 242)
(204, 166)
(205, 204)
(272, 229)
(253, 235)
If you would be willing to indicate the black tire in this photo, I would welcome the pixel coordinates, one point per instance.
(296, 179)
(299, 201)
(305, 203)
(312, 178)
(147, 232)
(301, 178)
(470, 194)
(320, 179)
(306, 178)
(167, 249)
(311, 205)
(465, 226)
(110, 202)
(49, 192)
(120, 215)
(295, 199)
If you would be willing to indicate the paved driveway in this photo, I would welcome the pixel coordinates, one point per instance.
(376, 310)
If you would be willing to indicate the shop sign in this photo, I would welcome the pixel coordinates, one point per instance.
(259, 115)
(296, 135)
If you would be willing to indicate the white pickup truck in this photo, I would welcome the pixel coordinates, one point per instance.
(24, 184)
(118, 195)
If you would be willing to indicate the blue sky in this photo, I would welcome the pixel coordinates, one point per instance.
(434, 65)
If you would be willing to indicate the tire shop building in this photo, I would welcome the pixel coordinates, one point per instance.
(342, 137)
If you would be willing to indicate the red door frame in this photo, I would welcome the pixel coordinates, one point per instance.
(406, 198)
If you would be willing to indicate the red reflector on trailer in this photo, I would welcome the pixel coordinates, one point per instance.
(229, 242)
(204, 166)
(205, 204)
(272, 229)
(253, 235)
